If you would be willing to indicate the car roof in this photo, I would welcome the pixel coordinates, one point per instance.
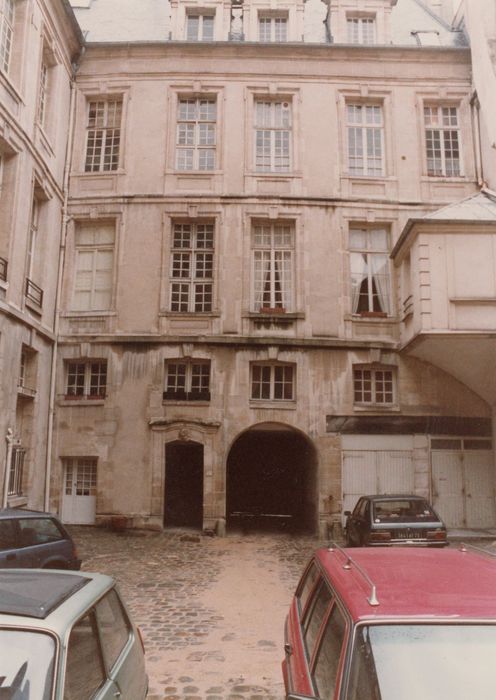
(37, 594)
(20, 513)
(413, 582)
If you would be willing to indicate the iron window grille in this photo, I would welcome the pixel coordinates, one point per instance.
(192, 259)
(370, 272)
(86, 380)
(365, 126)
(103, 135)
(273, 128)
(33, 293)
(187, 380)
(3, 269)
(16, 471)
(196, 134)
(273, 382)
(373, 386)
(442, 140)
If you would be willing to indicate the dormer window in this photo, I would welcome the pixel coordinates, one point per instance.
(361, 30)
(200, 26)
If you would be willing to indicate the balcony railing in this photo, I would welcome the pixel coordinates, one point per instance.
(34, 293)
(3, 269)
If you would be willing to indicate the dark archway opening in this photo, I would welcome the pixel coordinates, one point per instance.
(183, 485)
(271, 482)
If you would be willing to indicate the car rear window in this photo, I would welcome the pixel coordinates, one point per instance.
(38, 531)
(7, 535)
(27, 664)
(114, 627)
(84, 671)
(403, 509)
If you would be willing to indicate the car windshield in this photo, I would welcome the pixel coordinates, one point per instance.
(403, 510)
(432, 662)
(26, 665)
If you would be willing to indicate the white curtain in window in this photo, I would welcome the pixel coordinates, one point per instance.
(359, 273)
(380, 273)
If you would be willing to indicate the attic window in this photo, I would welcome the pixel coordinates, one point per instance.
(428, 37)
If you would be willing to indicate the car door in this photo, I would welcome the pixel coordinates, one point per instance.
(122, 651)
(85, 675)
(8, 544)
(357, 522)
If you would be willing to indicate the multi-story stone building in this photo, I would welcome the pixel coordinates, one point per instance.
(253, 307)
(39, 42)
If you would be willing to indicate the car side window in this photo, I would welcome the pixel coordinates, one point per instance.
(326, 665)
(114, 627)
(315, 617)
(38, 531)
(7, 535)
(306, 586)
(84, 671)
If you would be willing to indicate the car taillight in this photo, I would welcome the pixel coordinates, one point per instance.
(380, 536)
(140, 635)
(436, 535)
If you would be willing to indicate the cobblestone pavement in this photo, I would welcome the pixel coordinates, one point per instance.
(211, 609)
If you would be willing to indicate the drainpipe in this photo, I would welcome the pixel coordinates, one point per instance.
(10, 444)
(475, 108)
(58, 293)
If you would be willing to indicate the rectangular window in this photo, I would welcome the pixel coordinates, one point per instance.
(103, 135)
(272, 28)
(365, 139)
(87, 379)
(94, 267)
(196, 134)
(373, 386)
(273, 136)
(80, 476)
(370, 279)
(192, 267)
(273, 267)
(43, 93)
(6, 32)
(16, 471)
(187, 380)
(361, 30)
(199, 26)
(273, 382)
(442, 140)
(32, 239)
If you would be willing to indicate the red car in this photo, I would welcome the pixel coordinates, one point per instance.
(393, 624)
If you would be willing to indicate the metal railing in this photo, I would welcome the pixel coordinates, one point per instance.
(16, 471)
(34, 293)
(3, 269)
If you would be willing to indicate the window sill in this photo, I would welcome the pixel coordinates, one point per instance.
(374, 317)
(17, 501)
(87, 314)
(189, 314)
(183, 402)
(100, 173)
(273, 405)
(290, 175)
(81, 401)
(445, 179)
(196, 173)
(376, 408)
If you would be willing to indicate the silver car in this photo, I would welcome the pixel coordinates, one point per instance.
(67, 636)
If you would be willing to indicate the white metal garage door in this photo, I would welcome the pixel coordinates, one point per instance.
(463, 483)
(375, 470)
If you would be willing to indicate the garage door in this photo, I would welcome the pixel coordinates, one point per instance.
(463, 484)
(370, 471)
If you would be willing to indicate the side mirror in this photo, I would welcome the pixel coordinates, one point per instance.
(347, 512)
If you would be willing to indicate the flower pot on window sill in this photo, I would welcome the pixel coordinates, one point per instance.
(272, 310)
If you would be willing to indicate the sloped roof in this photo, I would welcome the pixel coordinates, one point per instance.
(478, 207)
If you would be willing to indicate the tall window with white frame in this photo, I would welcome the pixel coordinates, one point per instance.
(94, 264)
(365, 127)
(103, 136)
(442, 140)
(7, 14)
(273, 266)
(196, 133)
(192, 267)
(373, 386)
(273, 126)
(187, 380)
(43, 92)
(272, 28)
(273, 381)
(86, 379)
(200, 26)
(361, 30)
(370, 278)
(33, 292)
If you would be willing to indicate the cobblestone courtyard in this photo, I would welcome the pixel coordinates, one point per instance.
(211, 609)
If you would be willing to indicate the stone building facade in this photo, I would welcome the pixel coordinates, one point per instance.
(239, 296)
(39, 42)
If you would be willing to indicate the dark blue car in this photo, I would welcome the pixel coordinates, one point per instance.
(29, 539)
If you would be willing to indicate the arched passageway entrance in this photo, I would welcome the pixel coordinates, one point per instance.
(183, 498)
(271, 480)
